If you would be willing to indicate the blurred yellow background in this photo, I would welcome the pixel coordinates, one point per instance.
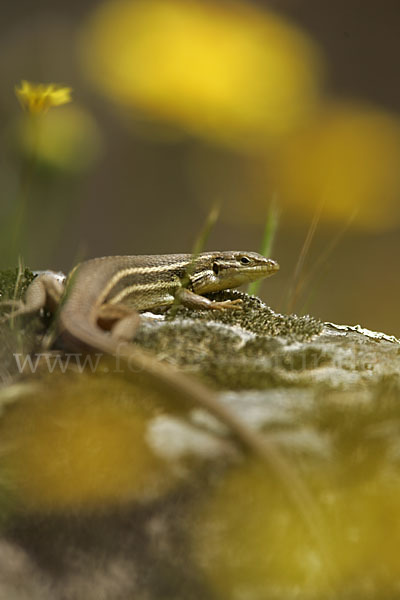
(178, 104)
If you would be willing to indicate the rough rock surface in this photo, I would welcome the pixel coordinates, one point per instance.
(327, 395)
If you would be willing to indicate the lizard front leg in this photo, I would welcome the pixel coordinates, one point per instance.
(192, 300)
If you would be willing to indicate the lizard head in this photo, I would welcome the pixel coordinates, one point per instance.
(217, 271)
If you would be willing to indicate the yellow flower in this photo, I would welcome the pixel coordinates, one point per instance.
(37, 98)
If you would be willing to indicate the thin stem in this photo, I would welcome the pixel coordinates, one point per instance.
(271, 226)
(323, 257)
(298, 272)
(17, 226)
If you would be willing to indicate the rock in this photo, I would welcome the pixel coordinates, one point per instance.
(216, 525)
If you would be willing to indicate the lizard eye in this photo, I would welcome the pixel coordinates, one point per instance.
(244, 260)
(216, 268)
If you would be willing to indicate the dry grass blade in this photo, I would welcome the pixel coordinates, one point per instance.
(298, 277)
(323, 257)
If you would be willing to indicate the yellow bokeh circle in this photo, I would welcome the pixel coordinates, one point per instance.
(80, 445)
(346, 162)
(225, 71)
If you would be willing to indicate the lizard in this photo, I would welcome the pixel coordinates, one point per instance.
(98, 309)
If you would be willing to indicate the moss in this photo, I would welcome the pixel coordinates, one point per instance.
(233, 349)
(13, 284)
(257, 317)
(20, 336)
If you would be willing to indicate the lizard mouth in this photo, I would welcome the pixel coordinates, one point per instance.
(273, 266)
